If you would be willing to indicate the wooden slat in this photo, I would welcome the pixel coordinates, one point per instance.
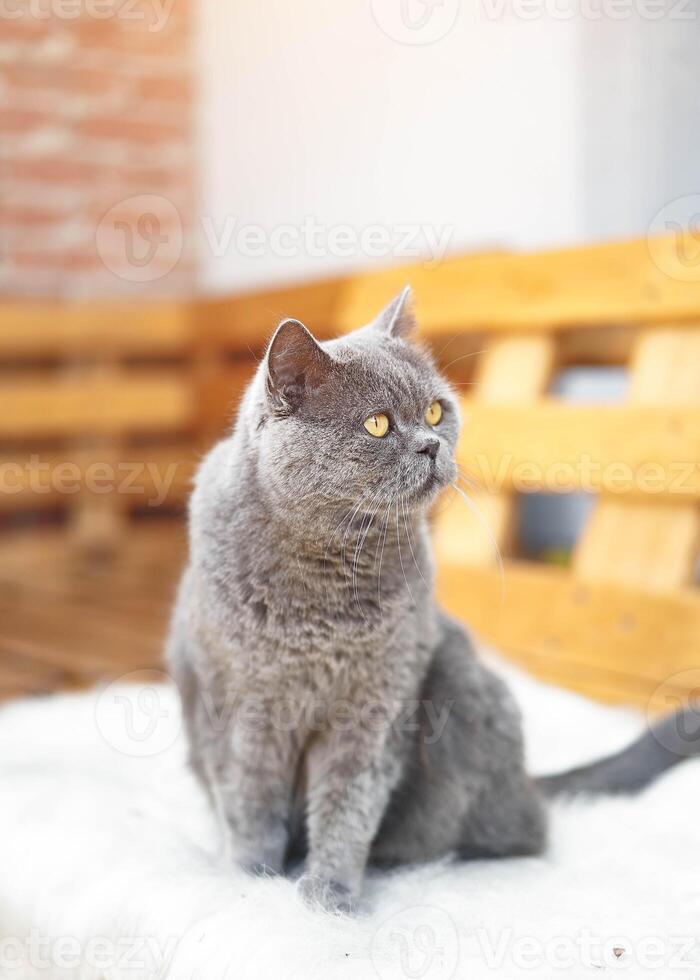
(598, 285)
(247, 321)
(593, 286)
(608, 632)
(636, 544)
(219, 389)
(554, 446)
(654, 545)
(665, 368)
(138, 402)
(69, 330)
(512, 371)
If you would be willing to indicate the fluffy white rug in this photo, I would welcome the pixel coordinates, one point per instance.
(110, 866)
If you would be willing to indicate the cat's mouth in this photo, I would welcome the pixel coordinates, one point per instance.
(430, 486)
(435, 481)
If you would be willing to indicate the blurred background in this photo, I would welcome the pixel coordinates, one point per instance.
(175, 175)
(495, 123)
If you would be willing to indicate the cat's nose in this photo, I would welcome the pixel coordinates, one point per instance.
(429, 447)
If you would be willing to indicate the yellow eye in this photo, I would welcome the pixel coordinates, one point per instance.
(377, 425)
(434, 414)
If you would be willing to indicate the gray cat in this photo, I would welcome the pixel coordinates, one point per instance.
(332, 709)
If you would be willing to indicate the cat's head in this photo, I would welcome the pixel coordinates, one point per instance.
(363, 419)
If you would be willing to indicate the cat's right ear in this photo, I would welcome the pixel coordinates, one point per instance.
(398, 320)
(296, 363)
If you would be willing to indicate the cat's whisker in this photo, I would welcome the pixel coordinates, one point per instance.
(383, 537)
(410, 544)
(353, 514)
(366, 498)
(301, 573)
(335, 531)
(445, 346)
(348, 517)
(362, 537)
(468, 478)
(462, 357)
(398, 541)
(487, 528)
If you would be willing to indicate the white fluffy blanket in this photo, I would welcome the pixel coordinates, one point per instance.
(110, 866)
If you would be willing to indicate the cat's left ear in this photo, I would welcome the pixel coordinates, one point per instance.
(296, 363)
(398, 319)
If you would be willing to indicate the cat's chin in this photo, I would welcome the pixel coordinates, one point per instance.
(427, 492)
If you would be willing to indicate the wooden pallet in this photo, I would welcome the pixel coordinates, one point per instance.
(152, 386)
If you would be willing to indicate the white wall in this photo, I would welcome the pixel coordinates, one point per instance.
(506, 132)
(310, 109)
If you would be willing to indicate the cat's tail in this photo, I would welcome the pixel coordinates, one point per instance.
(674, 738)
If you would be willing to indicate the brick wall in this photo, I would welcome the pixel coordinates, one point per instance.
(96, 148)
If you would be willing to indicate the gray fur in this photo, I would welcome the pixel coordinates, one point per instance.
(332, 709)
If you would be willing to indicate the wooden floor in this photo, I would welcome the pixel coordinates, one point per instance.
(67, 621)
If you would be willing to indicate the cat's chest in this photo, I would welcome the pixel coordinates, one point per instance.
(287, 619)
(309, 605)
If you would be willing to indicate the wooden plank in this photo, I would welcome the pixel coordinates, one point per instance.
(599, 285)
(634, 543)
(247, 321)
(151, 401)
(142, 476)
(512, 371)
(515, 370)
(606, 630)
(665, 367)
(654, 545)
(219, 389)
(643, 451)
(39, 330)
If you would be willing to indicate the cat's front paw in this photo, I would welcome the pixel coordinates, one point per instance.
(327, 895)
